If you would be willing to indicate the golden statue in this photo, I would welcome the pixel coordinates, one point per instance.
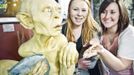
(44, 18)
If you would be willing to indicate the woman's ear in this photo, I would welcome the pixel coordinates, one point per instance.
(25, 20)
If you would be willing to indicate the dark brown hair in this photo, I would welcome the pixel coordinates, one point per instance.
(123, 17)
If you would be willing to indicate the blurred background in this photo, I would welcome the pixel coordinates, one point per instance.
(95, 7)
(10, 8)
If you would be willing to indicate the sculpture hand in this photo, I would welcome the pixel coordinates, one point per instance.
(41, 68)
(69, 55)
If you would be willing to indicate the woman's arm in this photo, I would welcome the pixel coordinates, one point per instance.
(116, 63)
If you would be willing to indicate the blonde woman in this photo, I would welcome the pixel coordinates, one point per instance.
(81, 28)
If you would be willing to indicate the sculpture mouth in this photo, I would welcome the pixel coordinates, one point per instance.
(60, 25)
(57, 26)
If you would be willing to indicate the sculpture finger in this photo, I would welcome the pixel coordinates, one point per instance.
(36, 67)
(65, 57)
(69, 57)
(61, 56)
(40, 69)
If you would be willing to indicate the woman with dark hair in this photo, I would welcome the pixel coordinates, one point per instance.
(116, 48)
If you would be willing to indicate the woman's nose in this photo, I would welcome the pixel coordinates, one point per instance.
(79, 13)
(107, 15)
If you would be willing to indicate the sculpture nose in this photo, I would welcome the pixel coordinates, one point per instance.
(56, 13)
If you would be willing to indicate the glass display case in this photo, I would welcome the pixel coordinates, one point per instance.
(9, 8)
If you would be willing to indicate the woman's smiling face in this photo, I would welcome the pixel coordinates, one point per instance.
(78, 11)
(110, 16)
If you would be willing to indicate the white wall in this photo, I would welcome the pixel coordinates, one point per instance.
(64, 5)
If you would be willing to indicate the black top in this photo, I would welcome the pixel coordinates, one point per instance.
(79, 41)
(79, 47)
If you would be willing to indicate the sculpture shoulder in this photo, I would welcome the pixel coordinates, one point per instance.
(25, 45)
(26, 49)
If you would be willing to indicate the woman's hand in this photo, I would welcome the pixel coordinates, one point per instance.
(89, 52)
(83, 63)
(93, 50)
(87, 63)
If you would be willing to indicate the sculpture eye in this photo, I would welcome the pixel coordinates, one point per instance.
(47, 9)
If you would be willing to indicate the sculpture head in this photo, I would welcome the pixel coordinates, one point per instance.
(42, 16)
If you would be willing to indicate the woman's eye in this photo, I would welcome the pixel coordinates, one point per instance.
(84, 10)
(75, 9)
(112, 12)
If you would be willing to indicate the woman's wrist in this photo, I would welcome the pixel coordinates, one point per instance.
(100, 52)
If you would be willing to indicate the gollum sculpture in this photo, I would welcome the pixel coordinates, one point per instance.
(48, 52)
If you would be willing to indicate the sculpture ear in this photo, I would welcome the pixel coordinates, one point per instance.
(25, 20)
